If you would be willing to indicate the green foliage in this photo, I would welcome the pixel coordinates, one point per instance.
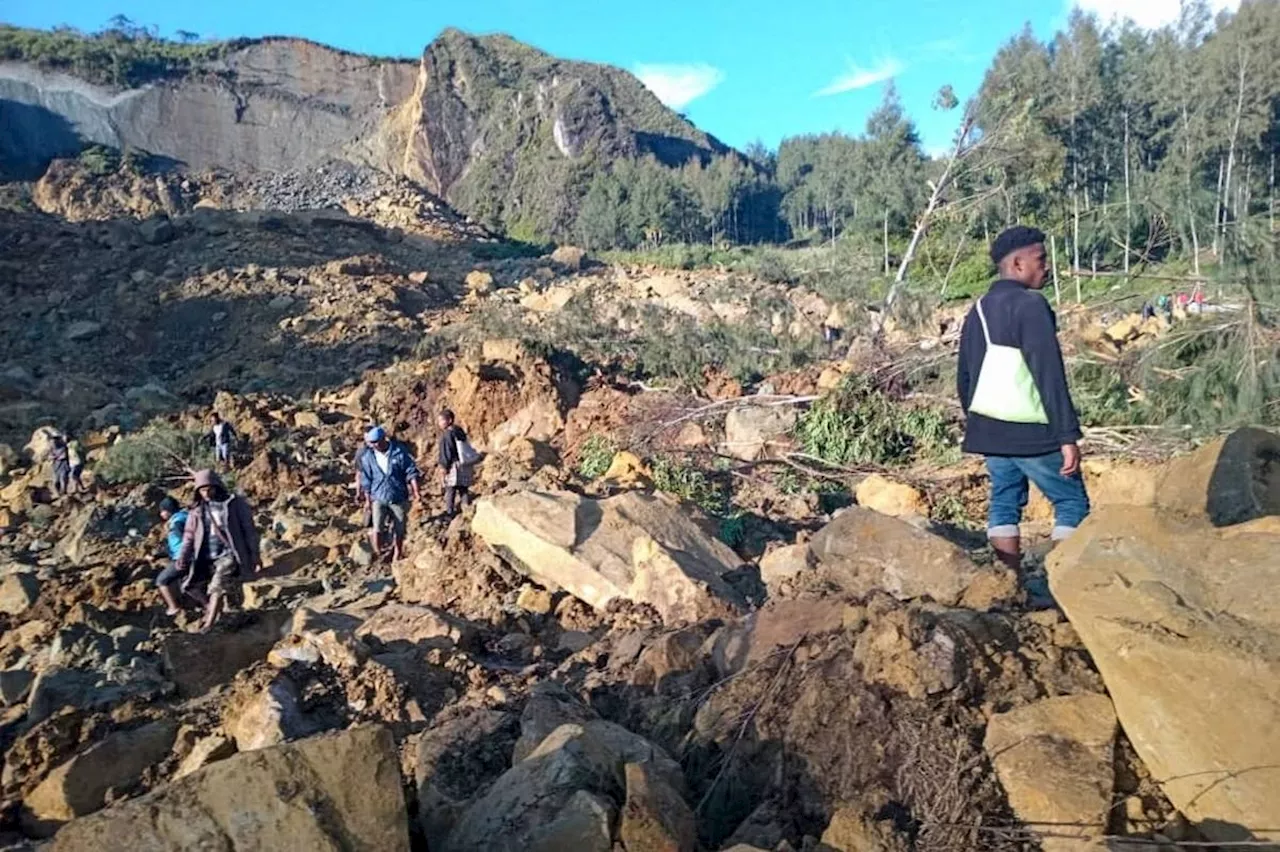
(859, 424)
(157, 453)
(595, 456)
(685, 481)
(100, 160)
(733, 529)
(123, 55)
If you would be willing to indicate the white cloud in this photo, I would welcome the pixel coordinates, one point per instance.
(860, 78)
(1148, 14)
(679, 85)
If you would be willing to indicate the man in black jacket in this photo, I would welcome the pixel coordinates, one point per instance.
(457, 474)
(1013, 388)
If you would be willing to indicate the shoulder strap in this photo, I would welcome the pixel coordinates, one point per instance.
(986, 333)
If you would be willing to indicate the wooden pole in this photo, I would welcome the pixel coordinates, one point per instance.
(1053, 248)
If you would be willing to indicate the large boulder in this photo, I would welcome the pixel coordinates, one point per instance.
(633, 546)
(1055, 759)
(455, 760)
(749, 431)
(18, 592)
(341, 791)
(80, 786)
(1178, 619)
(1229, 481)
(863, 550)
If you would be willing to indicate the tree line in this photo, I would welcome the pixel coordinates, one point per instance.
(1132, 145)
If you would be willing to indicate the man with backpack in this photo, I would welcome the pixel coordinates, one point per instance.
(1013, 387)
(457, 460)
(389, 480)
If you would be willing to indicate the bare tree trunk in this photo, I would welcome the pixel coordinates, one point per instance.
(1242, 66)
(886, 241)
(1128, 199)
(1271, 205)
(952, 267)
(1191, 208)
(1053, 260)
(1220, 211)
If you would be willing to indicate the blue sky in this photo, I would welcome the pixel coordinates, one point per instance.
(741, 70)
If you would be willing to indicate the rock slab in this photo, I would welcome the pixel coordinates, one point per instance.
(341, 791)
(633, 546)
(1055, 760)
(1180, 625)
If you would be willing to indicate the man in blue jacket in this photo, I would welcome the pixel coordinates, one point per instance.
(389, 478)
(1013, 387)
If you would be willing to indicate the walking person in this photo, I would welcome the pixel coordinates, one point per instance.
(388, 477)
(169, 580)
(223, 438)
(75, 461)
(1013, 387)
(219, 537)
(60, 460)
(457, 460)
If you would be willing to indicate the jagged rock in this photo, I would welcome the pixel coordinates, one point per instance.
(853, 829)
(627, 471)
(549, 706)
(531, 805)
(655, 818)
(750, 430)
(480, 283)
(315, 637)
(862, 550)
(341, 791)
(80, 786)
(535, 600)
(261, 593)
(208, 750)
(268, 717)
(90, 689)
(1172, 612)
(291, 561)
(14, 686)
(156, 231)
(896, 499)
(570, 257)
(456, 760)
(18, 593)
(673, 660)
(417, 626)
(633, 546)
(1055, 759)
(782, 563)
(780, 624)
(82, 330)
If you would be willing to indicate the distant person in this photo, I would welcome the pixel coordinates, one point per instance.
(1013, 388)
(75, 461)
(389, 480)
(1148, 310)
(169, 580)
(456, 459)
(219, 539)
(60, 460)
(223, 438)
(1165, 305)
(1197, 300)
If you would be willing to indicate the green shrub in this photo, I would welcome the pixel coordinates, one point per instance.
(100, 160)
(156, 454)
(683, 480)
(859, 424)
(595, 457)
(123, 56)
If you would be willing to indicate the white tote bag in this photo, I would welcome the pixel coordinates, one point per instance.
(1006, 390)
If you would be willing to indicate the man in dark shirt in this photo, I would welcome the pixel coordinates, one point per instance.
(458, 474)
(1013, 387)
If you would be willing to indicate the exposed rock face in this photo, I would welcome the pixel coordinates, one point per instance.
(274, 104)
(1172, 613)
(750, 431)
(634, 546)
(332, 792)
(1055, 760)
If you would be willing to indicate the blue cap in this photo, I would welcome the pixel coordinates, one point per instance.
(374, 435)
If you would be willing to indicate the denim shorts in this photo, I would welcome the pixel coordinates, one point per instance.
(1010, 476)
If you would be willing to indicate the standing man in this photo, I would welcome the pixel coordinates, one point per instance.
(60, 459)
(223, 437)
(218, 538)
(1013, 388)
(458, 472)
(389, 479)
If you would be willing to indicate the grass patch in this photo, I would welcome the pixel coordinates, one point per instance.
(595, 457)
(859, 424)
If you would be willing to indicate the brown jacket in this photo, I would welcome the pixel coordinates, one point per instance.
(240, 529)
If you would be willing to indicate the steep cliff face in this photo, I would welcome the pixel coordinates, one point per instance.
(504, 132)
(275, 104)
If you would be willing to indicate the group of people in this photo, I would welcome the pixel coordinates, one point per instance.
(213, 544)
(1179, 304)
